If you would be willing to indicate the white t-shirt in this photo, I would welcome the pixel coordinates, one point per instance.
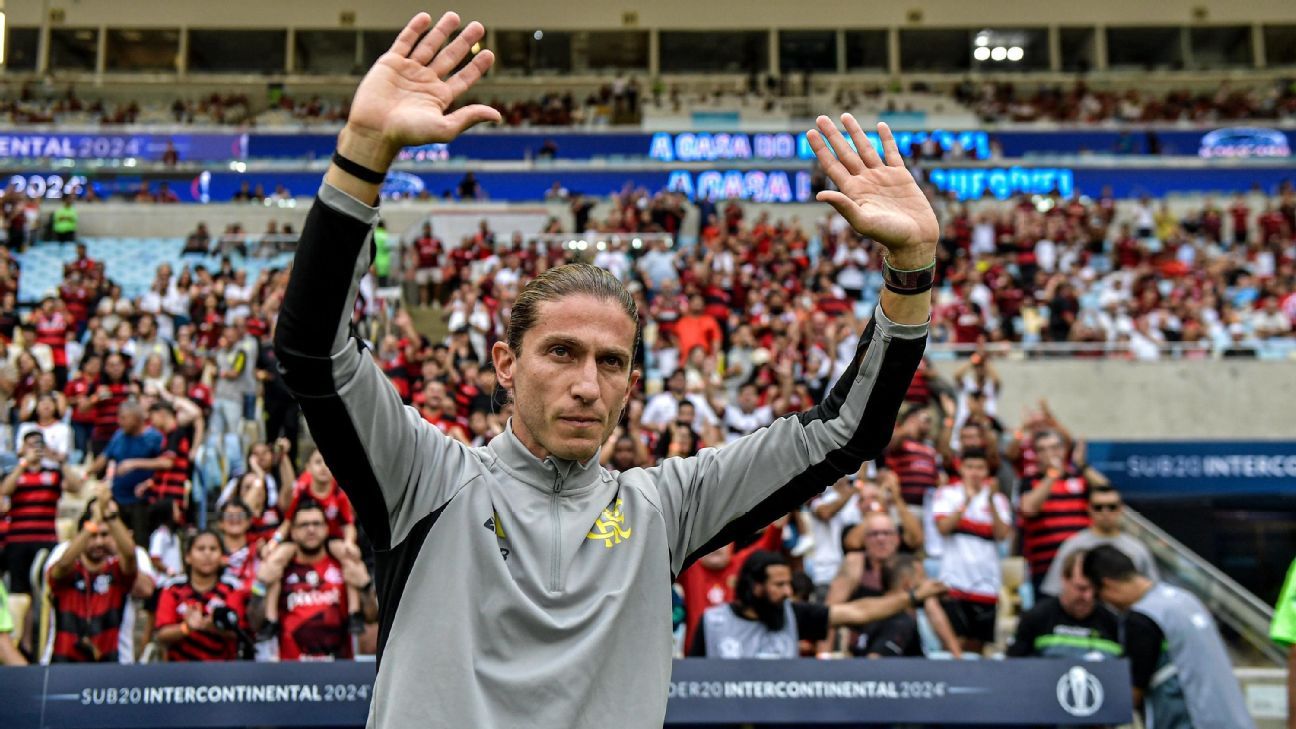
(827, 558)
(58, 437)
(737, 423)
(164, 546)
(663, 408)
(970, 559)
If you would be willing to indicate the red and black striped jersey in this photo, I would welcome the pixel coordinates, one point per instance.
(1064, 512)
(313, 611)
(105, 411)
(33, 506)
(917, 465)
(88, 612)
(170, 484)
(179, 597)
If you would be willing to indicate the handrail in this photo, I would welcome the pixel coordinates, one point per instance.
(1276, 347)
(1232, 603)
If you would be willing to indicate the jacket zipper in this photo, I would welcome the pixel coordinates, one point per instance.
(556, 548)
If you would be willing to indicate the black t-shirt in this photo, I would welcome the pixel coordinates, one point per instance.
(1048, 621)
(895, 637)
(1143, 642)
(811, 624)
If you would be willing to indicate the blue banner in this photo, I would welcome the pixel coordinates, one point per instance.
(716, 692)
(149, 147)
(719, 146)
(1197, 468)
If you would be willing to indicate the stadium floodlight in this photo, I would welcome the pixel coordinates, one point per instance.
(999, 53)
(1015, 53)
(3, 48)
(982, 39)
(981, 53)
(538, 35)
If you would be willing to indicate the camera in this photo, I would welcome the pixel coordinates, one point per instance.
(224, 618)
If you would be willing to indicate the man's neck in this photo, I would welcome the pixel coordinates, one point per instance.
(1106, 533)
(321, 488)
(233, 543)
(311, 558)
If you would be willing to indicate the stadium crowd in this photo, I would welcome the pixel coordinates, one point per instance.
(161, 501)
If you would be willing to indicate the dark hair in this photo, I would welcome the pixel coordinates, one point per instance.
(162, 513)
(754, 572)
(1106, 562)
(1102, 491)
(568, 280)
(970, 453)
(237, 503)
(34, 434)
(193, 539)
(897, 569)
(308, 504)
(802, 587)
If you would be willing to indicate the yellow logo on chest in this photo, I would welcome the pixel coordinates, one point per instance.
(610, 527)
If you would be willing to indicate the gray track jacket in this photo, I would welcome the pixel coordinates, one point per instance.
(516, 592)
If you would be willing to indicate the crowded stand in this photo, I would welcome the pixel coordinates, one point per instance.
(625, 99)
(152, 451)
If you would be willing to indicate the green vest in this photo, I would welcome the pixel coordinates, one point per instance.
(382, 257)
(65, 220)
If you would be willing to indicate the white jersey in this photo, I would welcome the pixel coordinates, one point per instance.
(827, 558)
(663, 408)
(970, 560)
(737, 423)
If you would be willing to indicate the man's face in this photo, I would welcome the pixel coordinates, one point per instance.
(970, 437)
(748, 399)
(100, 546)
(973, 471)
(1077, 596)
(676, 384)
(687, 414)
(881, 539)
(309, 530)
(1105, 510)
(1118, 594)
(130, 420)
(777, 586)
(33, 451)
(1051, 451)
(572, 377)
(115, 367)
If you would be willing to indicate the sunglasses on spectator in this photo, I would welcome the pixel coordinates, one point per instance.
(1106, 507)
(235, 516)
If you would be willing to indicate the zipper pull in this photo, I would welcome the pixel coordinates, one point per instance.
(558, 482)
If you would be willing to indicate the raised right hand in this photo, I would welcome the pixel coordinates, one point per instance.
(404, 99)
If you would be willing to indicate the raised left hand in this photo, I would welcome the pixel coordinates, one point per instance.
(876, 195)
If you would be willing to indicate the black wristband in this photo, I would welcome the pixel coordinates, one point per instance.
(913, 599)
(357, 170)
(908, 283)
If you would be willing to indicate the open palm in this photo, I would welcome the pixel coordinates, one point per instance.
(404, 98)
(876, 195)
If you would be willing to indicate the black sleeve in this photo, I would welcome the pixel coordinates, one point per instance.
(893, 637)
(698, 649)
(1143, 639)
(812, 620)
(1029, 627)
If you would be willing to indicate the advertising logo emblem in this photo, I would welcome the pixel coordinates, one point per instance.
(1079, 692)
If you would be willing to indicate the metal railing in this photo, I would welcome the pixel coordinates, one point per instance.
(1276, 348)
(1230, 602)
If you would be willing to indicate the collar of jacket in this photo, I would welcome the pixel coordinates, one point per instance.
(571, 478)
